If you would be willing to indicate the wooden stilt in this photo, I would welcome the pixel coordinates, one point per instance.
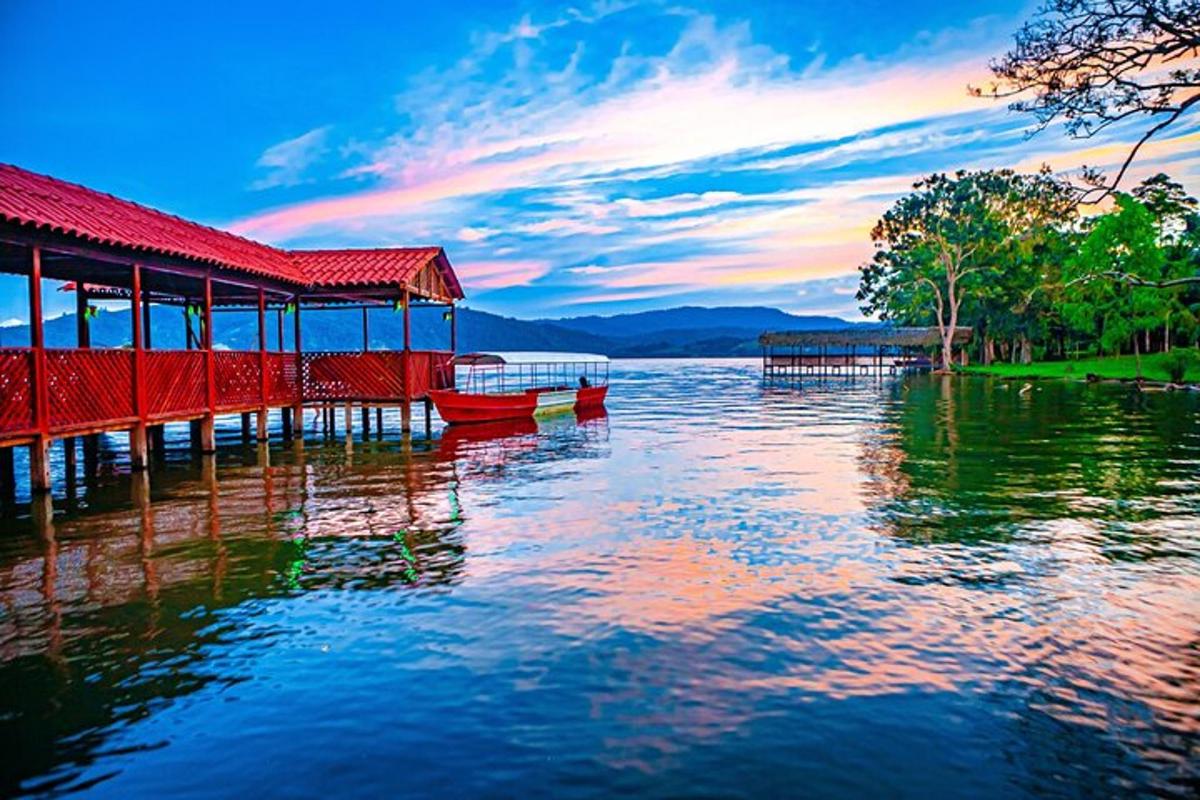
(286, 423)
(262, 432)
(348, 421)
(39, 464)
(428, 419)
(91, 456)
(245, 426)
(405, 416)
(208, 434)
(139, 451)
(70, 455)
(379, 422)
(8, 474)
(366, 423)
(158, 441)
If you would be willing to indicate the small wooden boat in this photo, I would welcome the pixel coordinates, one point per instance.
(518, 385)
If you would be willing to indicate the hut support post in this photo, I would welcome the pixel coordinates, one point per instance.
(405, 400)
(83, 340)
(8, 475)
(298, 407)
(138, 442)
(261, 432)
(366, 345)
(208, 433)
(39, 449)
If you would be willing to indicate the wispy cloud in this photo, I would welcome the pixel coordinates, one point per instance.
(603, 167)
(286, 163)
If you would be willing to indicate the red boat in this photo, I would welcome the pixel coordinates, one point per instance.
(503, 386)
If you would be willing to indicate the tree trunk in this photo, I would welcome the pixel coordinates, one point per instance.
(989, 351)
(1026, 350)
(1167, 335)
(1137, 357)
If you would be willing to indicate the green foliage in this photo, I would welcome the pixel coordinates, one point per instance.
(1179, 363)
(978, 244)
(1099, 298)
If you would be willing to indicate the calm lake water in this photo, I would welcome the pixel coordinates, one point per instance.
(896, 588)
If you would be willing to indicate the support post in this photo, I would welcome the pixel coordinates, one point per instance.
(405, 400)
(265, 386)
(39, 461)
(8, 475)
(379, 422)
(139, 455)
(245, 426)
(285, 423)
(298, 408)
(366, 423)
(348, 421)
(428, 419)
(208, 438)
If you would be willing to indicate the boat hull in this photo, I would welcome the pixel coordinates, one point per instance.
(590, 397)
(457, 408)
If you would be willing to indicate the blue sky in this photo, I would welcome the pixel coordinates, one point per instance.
(597, 157)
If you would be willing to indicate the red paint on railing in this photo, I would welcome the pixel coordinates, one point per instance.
(93, 388)
(89, 387)
(174, 383)
(16, 391)
(239, 380)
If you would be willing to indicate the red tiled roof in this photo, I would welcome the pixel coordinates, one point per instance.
(40, 201)
(372, 267)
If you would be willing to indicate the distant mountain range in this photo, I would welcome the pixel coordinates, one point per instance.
(673, 332)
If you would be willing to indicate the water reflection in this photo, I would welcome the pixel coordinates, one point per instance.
(766, 588)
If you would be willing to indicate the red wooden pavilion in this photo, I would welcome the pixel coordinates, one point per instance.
(115, 248)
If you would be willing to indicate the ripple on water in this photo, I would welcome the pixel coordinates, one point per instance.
(720, 588)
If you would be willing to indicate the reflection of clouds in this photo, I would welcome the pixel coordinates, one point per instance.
(713, 563)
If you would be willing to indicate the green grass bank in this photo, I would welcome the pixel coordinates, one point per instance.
(1155, 367)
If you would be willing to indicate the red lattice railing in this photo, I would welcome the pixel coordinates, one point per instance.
(16, 391)
(93, 388)
(373, 375)
(282, 388)
(89, 387)
(238, 380)
(175, 383)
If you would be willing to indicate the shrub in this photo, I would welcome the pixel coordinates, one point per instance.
(1179, 362)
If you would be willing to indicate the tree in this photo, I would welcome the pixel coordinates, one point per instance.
(1175, 218)
(1121, 243)
(1096, 63)
(972, 241)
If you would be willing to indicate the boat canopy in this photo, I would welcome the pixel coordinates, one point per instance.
(527, 357)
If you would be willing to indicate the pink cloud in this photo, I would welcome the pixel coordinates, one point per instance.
(500, 273)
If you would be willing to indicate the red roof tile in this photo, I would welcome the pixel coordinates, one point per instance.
(372, 267)
(40, 201)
